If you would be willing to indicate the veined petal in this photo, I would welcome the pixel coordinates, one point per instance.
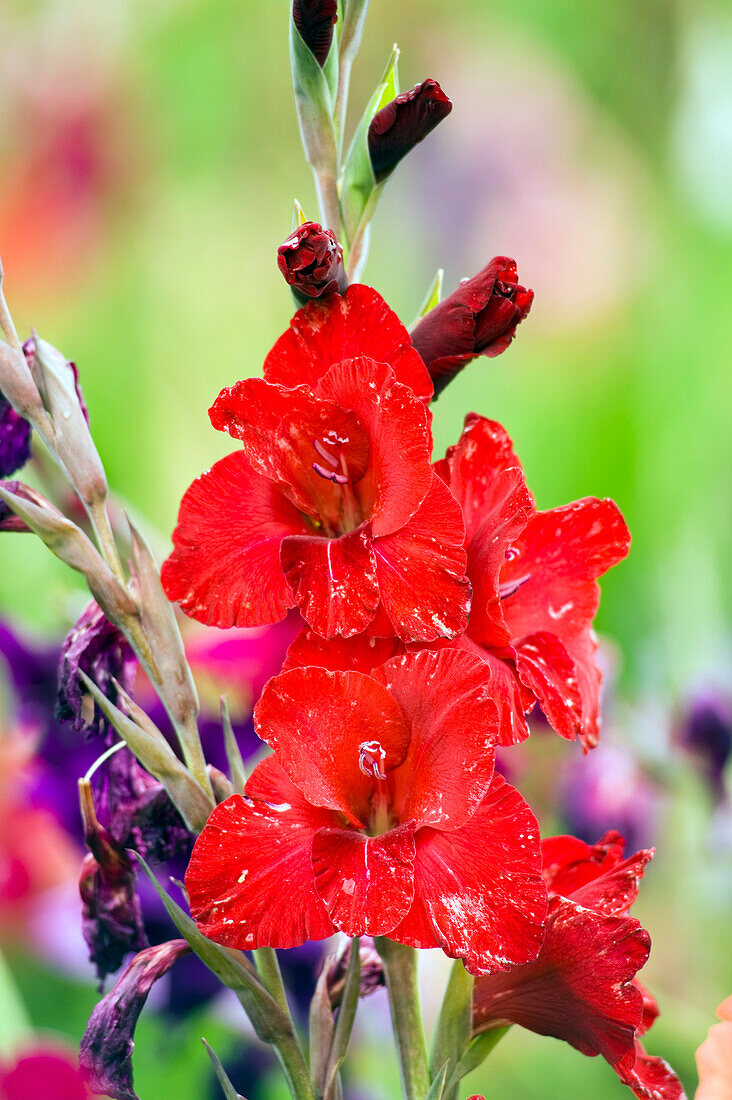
(333, 581)
(454, 730)
(648, 1077)
(397, 424)
(558, 558)
(321, 723)
(580, 987)
(250, 878)
(546, 668)
(366, 882)
(225, 566)
(485, 475)
(342, 327)
(594, 875)
(421, 571)
(478, 892)
(279, 428)
(360, 654)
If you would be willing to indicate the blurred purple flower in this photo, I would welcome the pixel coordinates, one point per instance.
(705, 732)
(15, 439)
(607, 789)
(100, 650)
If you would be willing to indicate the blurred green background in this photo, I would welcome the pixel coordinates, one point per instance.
(150, 157)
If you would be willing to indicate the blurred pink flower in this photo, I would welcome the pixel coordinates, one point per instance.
(714, 1058)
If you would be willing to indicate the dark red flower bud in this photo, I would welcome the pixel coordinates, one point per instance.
(315, 20)
(106, 1049)
(478, 318)
(403, 123)
(311, 261)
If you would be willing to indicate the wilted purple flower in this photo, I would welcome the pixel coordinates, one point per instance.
(96, 647)
(106, 1049)
(15, 439)
(311, 261)
(138, 811)
(403, 123)
(111, 915)
(705, 731)
(315, 20)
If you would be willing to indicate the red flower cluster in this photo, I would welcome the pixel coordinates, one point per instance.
(439, 607)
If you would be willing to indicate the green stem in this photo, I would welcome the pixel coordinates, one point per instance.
(452, 1030)
(330, 207)
(400, 970)
(288, 1048)
(476, 1053)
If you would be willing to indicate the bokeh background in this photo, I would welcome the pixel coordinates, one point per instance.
(149, 157)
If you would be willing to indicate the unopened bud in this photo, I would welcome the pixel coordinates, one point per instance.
(480, 317)
(403, 123)
(311, 261)
(315, 20)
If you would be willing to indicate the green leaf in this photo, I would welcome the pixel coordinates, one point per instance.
(437, 1088)
(453, 1027)
(228, 1089)
(232, 969)
(237, 770)
(432, 298)
(477, 1052)
(314, 103)
(359, 191)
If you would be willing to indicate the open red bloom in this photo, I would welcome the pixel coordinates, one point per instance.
(332, 505)
(378, 814)
(535, 592)
(582, 986)
(534, 577)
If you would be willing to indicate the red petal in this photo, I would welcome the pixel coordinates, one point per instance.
(580, 988)
(595, 876)
(454, 725)
(397, 424)
(557, 560)
(333, 580)
(421, 571)
(648, 1077)
(279, 428)
(366, 882)
(513, 699)
(225, 566)
(549, 672)
(485, 475)
(337, 328)
(478, 891)
(360, 654)
(250, 878)
(317, 721)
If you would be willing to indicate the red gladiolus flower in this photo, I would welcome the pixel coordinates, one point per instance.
(582, 986)
(480, 317)
(535, 591)
(332, 505)
(534, 577)
(379, 814)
